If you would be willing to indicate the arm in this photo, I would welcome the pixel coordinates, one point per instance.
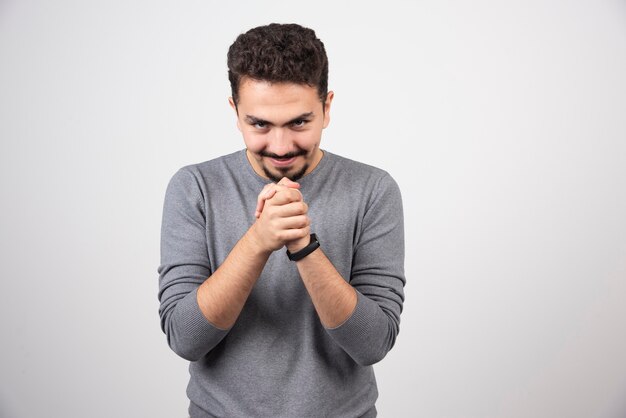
(184, 266)
(222, 298)
(199, 306)
(334, 299)
(363, 316)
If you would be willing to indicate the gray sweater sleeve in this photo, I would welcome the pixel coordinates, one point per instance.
(184, 267)
(378, 277)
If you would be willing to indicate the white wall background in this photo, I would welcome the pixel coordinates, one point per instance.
(504, 122)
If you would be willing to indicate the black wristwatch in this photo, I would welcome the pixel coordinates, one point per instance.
(299, 255)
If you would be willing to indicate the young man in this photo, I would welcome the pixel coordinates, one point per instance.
(269, 332)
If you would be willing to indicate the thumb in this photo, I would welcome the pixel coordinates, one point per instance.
(287, 182)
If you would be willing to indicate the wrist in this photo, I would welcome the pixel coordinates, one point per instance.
(255, 242)
(313, 245)
(297, 245)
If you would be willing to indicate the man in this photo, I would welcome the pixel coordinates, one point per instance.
(269, 332)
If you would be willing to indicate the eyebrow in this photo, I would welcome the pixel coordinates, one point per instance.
(253, 119)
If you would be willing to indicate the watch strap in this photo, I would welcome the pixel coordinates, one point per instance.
(299, 255)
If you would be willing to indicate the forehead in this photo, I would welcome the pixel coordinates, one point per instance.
(260, 96)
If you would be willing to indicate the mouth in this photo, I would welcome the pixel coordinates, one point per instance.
(282, 162)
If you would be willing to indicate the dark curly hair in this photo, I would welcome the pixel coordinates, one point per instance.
(279, 53)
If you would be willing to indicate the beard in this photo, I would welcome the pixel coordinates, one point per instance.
(284, 173)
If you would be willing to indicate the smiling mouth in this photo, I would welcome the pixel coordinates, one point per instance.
(282, 162)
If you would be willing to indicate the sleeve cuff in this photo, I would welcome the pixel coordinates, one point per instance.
(197, 336)
(354, 335)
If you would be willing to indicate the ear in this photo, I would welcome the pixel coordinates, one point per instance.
(234, 107)
(329, 99)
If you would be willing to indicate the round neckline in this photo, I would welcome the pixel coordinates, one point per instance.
(305, 179)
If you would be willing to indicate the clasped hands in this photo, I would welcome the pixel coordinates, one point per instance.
(281, 217)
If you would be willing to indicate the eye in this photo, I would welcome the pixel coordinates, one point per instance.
(260, 125)
(299, 123)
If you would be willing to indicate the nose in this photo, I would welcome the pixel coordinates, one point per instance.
(280, 142)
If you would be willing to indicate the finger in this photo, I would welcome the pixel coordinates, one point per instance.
(261, 203)
(271, 191)
(284, 184)
(285, 181)
(295, 222)
(285, 195)
(295, 234)
(261, 199)
(291, 209)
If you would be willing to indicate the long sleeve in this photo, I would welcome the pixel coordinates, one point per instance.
(184, 267)
(278, 348)
(378, 277)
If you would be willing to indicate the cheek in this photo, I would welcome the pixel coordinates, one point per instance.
(308, 140)
(255, 143)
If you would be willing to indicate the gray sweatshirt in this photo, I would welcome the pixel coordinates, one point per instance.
(278, 360)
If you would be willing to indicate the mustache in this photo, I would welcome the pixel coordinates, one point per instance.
(287, 156)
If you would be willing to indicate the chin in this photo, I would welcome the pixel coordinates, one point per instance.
(292, 174)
